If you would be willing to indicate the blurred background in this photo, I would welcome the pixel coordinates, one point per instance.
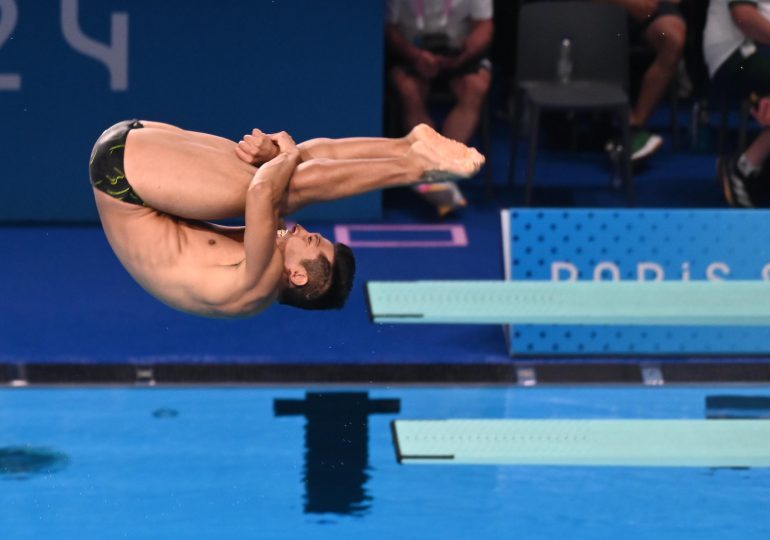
(577, 105)
(69, 69)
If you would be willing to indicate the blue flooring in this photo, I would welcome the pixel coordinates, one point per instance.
(219, 463)
(67, 299)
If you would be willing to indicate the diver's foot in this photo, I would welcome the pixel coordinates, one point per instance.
(448, 148)
(444, 166)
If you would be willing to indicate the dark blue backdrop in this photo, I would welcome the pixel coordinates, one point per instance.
(311, 68)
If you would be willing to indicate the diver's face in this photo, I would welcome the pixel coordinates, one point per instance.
(297, 244)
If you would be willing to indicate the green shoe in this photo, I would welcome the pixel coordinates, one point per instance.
(644, 144)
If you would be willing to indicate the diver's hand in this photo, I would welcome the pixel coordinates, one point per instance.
(284, 142)
(256, 148)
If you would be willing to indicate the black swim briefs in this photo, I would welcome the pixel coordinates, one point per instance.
(106, 166)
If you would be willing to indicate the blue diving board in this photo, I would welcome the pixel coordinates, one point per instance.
(619, 443)
(675, 303)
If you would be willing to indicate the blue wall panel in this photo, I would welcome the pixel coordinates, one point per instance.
(310, 68)
(638, 245)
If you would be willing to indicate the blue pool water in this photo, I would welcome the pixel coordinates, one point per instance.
(221, 463)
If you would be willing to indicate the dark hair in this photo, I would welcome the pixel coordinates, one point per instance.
(328, 285)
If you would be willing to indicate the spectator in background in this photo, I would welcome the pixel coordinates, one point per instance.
(440, 42)
(735, 47)
(663, 27)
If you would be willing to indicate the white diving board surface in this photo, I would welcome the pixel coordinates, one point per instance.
(668, 303)
(618, 443)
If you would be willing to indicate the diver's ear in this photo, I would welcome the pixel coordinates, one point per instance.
(298, 276)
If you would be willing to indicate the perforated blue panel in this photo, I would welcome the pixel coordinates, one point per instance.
(637, 245)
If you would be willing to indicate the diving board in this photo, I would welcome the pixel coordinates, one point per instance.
(625, 443)
(675, 303)
(614, 244)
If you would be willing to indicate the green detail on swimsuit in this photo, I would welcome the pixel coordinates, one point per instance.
(115, 179)
(113, 148)
(97, 182)
(115, 193)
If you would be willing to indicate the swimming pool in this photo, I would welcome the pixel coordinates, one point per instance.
(320, 463)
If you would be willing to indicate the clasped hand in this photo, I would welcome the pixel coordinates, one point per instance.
(430, 65)
(259, 147)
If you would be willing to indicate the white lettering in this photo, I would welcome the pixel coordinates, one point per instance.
(557, 267)
(643, 268)
(717, 271)
(10, 14)
(603, 267)
(114, 56)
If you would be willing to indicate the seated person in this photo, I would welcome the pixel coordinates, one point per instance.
(735, 49)
(440, 43)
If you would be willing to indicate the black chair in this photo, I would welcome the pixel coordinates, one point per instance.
(598, 37)
(721, 103)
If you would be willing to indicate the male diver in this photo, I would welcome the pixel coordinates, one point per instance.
(157, 187)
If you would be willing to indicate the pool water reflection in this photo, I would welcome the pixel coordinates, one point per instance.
(320, 463)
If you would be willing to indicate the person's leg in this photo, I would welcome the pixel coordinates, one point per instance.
(355, 148)
(666, 34)
(758, 151)
(740, 175)
(321, 147)
(445, 196)
(320, 180)
(173, 172)
(470, 91)
(371, 147)
(206, 139)
(182, 173)
(412, 92)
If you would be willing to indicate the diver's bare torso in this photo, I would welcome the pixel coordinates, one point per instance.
(192, 265)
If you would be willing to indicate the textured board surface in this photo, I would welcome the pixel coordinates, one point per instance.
(633, 443)
(604, 303)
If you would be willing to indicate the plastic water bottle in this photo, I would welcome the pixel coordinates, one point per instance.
(700, 127)
(615, 153)
(564, 64)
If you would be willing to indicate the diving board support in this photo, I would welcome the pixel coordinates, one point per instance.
(145, 375)
(666, 303)
(652, 374)
(612, 442)
(526, 375)
(17, 375)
